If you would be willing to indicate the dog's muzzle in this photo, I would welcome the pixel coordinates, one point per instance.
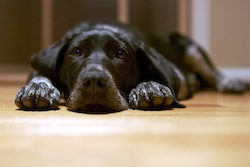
(96, 91)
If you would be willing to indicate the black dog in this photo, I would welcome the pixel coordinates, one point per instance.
(102, 67)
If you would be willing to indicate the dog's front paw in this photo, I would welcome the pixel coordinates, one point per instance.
(150, 95)
(37, 96)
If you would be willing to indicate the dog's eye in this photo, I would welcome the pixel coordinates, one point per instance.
(77, 52)
(121, 54)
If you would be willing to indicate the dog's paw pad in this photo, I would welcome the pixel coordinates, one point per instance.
(37, 96)
(150, 95)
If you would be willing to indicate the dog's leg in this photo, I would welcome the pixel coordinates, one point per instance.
(197, 61)
(39, 93)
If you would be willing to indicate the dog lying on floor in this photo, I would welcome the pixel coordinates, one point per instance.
(109, 67)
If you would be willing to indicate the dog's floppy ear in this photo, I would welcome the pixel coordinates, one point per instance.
(160, 68)
(46, 61)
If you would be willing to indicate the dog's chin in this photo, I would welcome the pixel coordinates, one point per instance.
(96, 109)
(113, 102)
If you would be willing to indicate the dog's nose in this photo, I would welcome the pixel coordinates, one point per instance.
(95, 82)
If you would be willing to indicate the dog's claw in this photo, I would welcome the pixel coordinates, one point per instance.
(133, 99)
(150, 95)
(37, 96)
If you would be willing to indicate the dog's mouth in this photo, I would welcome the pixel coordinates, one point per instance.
(96, 96)
(94, 108)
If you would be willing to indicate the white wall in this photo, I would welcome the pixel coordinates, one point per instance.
(200, 22)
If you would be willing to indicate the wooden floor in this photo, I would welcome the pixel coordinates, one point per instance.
(213, 131)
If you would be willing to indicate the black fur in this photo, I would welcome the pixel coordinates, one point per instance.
(104, 67)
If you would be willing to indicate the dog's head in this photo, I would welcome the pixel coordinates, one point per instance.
(95, 65)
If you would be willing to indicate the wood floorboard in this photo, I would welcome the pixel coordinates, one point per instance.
(213, 131)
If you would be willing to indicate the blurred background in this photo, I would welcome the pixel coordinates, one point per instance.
(222, 27)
